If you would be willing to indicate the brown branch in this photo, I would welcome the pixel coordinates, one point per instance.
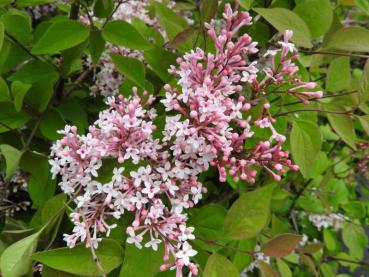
(331, 258)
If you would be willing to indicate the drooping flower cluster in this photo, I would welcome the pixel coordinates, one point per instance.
(156, 176)
(334, 220)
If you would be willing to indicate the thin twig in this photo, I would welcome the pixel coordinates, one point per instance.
(112, 13)
(331, 258)
(314, 110)
(17, 42)
(335, 54)
(298, 195)
(97, 262)
(317, 99)
(211, 242)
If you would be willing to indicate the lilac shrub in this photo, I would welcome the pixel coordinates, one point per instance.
(207, 124)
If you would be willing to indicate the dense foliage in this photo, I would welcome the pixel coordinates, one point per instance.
(181, 138)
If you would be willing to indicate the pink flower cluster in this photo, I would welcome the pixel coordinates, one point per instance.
(156, 178)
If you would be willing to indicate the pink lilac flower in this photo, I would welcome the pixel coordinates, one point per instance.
(208, 127)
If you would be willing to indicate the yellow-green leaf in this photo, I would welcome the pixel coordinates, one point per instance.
(249, 214)
(219, 266)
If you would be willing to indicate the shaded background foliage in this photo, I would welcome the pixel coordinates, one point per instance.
(48, 62)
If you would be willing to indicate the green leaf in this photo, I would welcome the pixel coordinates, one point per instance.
(350, 39)
(18, 26)
(49, 272)
(219, 266)
(283, 19)
(52, 122)
(171, 22)
(339, 75)
(355, 239)
(124, 34)
(52, 207)
(61, 35)
(363, 5)
(41, 92)
(305, 145)
(16, 259)
(208, 10)
(266, 270)
(131, 68)
(78, 260)
(33, 72)
(283, 268)
(40, 185)
(341, 123)
(317, 14)
(10, 118)
(19, 90)
(281, 245)
(159, 61)
(12, 157)
(209, 222)
(149, 268)
(364, 121)
(4, 91)
(249, 214)
(96, 46)
(103, 8)
(246, 4)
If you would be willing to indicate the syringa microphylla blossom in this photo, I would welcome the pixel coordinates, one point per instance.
(156, 179)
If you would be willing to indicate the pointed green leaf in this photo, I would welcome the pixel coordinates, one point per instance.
(305, 145)
(78, 260)
(124, 34)
(96, 46)
(16, 259)
(249, 214)
(61, 35)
